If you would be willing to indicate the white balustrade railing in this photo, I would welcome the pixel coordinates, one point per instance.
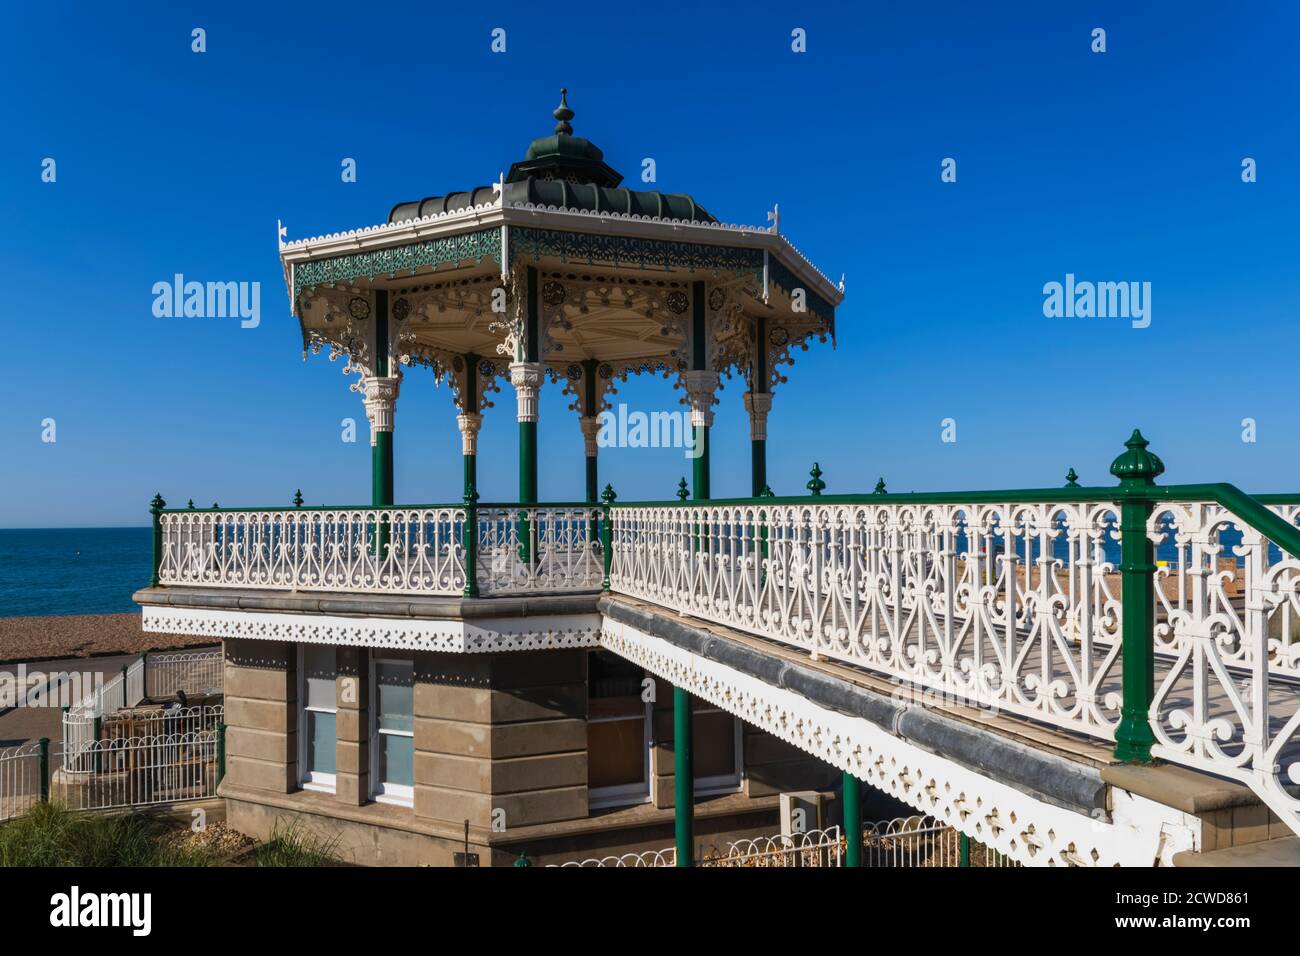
(531, 549)
(1011, 607)
(1228, 701)
(520, 549)
(371, 550)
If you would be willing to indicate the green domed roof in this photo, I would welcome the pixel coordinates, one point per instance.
(565, 156)
(566, 172)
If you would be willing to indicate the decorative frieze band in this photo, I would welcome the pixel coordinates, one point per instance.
(431, 253)
(478, 636)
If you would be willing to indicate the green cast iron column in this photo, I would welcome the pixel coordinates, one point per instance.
(381, 450)
(528, 429)
(381, 456)
(700, 466)
(1136, 470)
(527, 385)
(683, 778)
(757, 403)
(589, 411)
(699, 363)
(683, 764)
(470, 449)
(852, 820)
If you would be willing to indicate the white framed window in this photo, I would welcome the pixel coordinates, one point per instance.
(717, 750)
(618, 733)
(392, 731)
(317, 717)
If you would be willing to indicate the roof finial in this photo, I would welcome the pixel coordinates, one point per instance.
(563, 114)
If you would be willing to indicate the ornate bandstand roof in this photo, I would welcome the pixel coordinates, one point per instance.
(610, 270)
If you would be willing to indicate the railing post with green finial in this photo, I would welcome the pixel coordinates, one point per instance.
(297, 498)
(607, 498)
(1136, 470)
(880, 487)
(1071, 479)
(816, 486)
(155, 508)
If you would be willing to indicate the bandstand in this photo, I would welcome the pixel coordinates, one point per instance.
(478, 683)
(558, 272)
(555, 275)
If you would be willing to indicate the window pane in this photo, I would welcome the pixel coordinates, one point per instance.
(714, 737)
(395, 695)
(611, 676)
(396, 759)
(319, 673)
(322, 746)
(616, 752)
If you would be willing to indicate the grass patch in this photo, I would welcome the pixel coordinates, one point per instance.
(295, 845)
(49, 835)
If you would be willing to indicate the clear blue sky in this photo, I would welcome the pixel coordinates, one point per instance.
(1117, 166)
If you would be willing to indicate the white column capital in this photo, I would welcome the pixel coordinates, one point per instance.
(701, 389)
(380, 400)
(469, 426)
(526, 377)
(590, 425)
(758, 404)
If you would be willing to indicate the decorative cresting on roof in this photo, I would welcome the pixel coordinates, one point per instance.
(562, 172)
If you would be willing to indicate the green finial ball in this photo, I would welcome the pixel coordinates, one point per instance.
(157, 504)
(215, 506)
(682, 491)
(1137, 465)
(563, 114)
(1072, 480)
(523, 860)
(816, 486)
(191, 504)
(608, 495)
(297, 498)
(767, 492)
(880, 487)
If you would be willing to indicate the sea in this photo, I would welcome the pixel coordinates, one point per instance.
(72, 570)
